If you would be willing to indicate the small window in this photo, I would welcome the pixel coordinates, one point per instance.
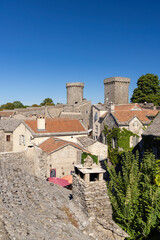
(95, 117)
(23, 140)
(96, 129)
(52, 172)
(8, 138)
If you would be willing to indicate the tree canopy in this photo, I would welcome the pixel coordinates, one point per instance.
(47, 101)
(148, 90)
(8, 106)
(18, 104)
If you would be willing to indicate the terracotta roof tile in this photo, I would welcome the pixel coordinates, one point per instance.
(57, 125)
(6, 114)
(52, 144)
(124, 113)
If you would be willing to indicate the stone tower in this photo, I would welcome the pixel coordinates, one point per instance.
(116, 90)
(74, 92)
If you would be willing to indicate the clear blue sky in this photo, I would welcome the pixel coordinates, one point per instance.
(46, 43)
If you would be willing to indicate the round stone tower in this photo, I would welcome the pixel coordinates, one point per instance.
(74, 92)
(116, 90)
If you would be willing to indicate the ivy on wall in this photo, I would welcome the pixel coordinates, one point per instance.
(84, 155)
(121, 138)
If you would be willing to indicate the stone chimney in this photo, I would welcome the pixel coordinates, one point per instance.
(89, 192)
(41, 123)
(111, 107)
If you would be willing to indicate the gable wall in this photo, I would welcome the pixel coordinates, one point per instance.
(63, 160)
(19, 131)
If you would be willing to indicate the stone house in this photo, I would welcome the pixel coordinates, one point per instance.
(151, 137)
(7, 126)
(98, 111)
(35, 132)
(129, 116)
(55, 157)
(94, 147)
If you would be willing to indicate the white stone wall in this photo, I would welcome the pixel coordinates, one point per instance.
(19, 131)
(99, 149)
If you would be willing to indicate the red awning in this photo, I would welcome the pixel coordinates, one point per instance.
(59, 181)
(68, 178)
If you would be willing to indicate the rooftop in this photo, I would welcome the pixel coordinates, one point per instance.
(86, 141)
(53, 144)
(124, 113)
(57, 125)
(154, 128)
(9, 125)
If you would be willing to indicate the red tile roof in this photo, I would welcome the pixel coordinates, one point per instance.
(57, 125)
(124, 113)
(68, 178)
(52, 144)
(6, 114)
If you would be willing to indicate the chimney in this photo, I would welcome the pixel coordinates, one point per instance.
(111, 107)
(41, 123)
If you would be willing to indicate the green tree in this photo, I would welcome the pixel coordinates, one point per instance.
(134, 195)
(18, 104)
(48, 102)
(35, 105)
(148, 90)
(8, 106)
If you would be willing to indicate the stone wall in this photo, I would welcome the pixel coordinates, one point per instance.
(6, 146)
(93, 199)
(31, 208)
(20, 158)
(1, 141)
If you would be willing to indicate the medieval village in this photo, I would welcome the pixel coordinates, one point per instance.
(55, 162)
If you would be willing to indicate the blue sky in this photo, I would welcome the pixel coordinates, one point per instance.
(46, 43)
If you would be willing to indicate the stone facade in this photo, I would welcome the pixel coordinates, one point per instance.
(116, 90)
(74, 92)
(90, 194)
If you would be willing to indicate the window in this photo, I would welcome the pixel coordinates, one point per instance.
(95, 117)
(53, 172)
(96, 129)
(8, 138)
(22, 140)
